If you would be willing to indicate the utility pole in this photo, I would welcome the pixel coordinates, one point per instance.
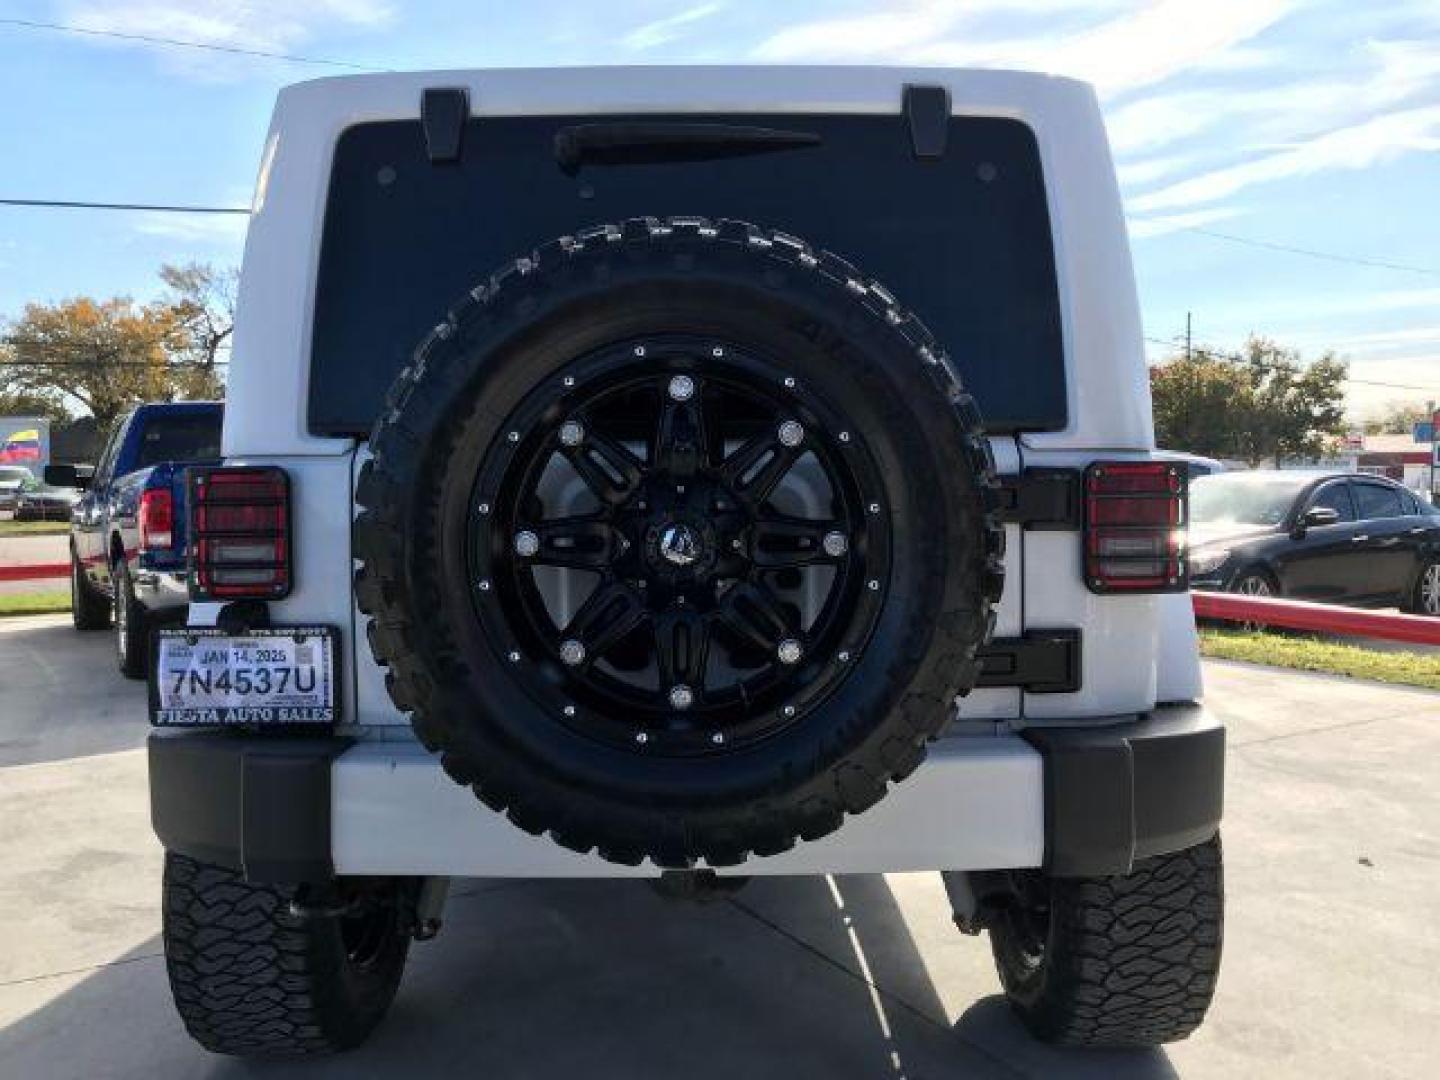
(1187, 335)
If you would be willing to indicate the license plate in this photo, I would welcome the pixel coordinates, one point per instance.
(277, 676)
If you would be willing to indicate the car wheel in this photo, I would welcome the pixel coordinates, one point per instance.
(1126, 960)
(88, 610)
(132, 643)
(1426, 600)
(1255, 583)
(254, 975)
(755, 609)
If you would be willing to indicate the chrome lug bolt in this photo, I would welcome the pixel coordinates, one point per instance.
(483, 584)
(571, 432)
(527, 543)
(484, 508)
(641, 737)
(843, 656)
(682, 388)
(791, 433)
(718, 738)
(873, 585)
(789, 651)
(789, 710)
(835, 544)
(514, 436)
(569, 710)
(572, 652)
(681, 696)
(514, 657)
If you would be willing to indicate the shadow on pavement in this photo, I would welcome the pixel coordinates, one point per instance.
(599, 979)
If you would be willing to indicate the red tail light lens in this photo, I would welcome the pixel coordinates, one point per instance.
(1135, 518)
(240, 533)
(156, 519)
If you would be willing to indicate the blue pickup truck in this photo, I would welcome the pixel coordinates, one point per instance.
(127, 531)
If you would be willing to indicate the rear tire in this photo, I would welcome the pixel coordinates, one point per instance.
(252, 979)
(1115, 961)
(88, 610)
(132, 632)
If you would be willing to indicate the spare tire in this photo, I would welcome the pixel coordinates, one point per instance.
(677, 541)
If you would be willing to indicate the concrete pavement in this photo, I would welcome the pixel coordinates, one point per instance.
(1332, 842)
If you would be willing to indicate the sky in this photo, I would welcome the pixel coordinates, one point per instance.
(1310, 125)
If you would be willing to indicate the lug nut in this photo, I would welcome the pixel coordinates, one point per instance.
(835, 544)
(791, 433)
(527, 543)
(682, 388)
(681, 697)
(571, 432)
(789, 651)
(572, 652)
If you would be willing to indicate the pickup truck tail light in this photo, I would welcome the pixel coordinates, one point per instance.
(239, 533)
(156, 519)
(1135, 521)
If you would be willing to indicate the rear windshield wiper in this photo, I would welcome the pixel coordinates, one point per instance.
(660, 142)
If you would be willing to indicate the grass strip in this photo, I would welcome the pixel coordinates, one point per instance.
(40, 602)
(1309, 654)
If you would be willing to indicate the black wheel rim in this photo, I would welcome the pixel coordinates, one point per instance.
(677, 547)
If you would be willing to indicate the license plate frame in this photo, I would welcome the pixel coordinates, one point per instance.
(303, 710)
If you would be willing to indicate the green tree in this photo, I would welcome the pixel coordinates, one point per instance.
(1195, 405)
(1397, 418)
(1263, 405)
(1296, 410)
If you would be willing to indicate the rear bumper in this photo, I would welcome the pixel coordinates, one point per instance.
(1076, 801)
(162, 590)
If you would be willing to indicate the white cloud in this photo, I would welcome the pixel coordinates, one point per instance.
(204, 229)
(1136, 48)
(1143, 228)
(1357, 147)
(662, 31)
(260, 25)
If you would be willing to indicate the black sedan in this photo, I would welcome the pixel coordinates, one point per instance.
(1341, 538)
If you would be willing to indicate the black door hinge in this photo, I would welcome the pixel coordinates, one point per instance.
(1046, 500)
(1040, 662)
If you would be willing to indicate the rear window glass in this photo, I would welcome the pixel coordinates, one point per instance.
(194, 437)
(963, 241)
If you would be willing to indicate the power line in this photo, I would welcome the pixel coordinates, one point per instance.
(72, 204)
(179, 43)
(1311, 252)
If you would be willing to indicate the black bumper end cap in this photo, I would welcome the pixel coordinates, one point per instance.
(258, 805)
(1126, 791)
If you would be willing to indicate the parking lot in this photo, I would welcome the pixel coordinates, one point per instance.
(1333, 936)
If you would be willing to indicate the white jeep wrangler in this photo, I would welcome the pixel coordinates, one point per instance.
(685, 473)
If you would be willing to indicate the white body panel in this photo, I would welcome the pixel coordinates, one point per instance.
(978, 801)
(394, 812)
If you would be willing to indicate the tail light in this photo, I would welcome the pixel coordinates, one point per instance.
(239, 533)
(1135, 518)
(156, 519)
